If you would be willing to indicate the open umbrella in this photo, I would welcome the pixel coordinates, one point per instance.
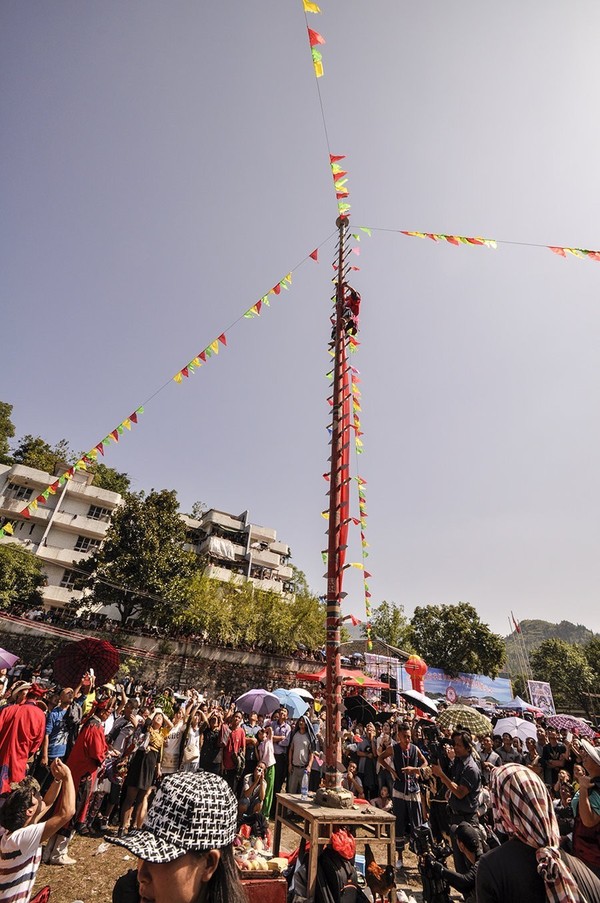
(305, 694)
(260, 701)
(7, 659)
(359, 709)
(295, 705)
(466, 716)
(74, 659)
(516, 727)
(575, 725)
(420, 701)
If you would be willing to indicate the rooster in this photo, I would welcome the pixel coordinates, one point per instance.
(380, 878)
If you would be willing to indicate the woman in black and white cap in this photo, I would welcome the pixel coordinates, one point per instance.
(184, 848)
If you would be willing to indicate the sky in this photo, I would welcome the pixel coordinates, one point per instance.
(164, 164)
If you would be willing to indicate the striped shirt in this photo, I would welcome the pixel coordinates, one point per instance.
(20, 854)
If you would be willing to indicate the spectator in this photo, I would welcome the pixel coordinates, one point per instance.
(54, 745)
(22, 731)
(464, 783)
(530, 867)
(468, 841)
(554, 757)
(507, 752)
(300, 754)
(22, 832)
(586, 808)
(406, 795)
(184, 849)
(281, 739)
(488, 758)
(234, 751)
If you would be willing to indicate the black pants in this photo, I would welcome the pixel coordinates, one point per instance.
(281, 761)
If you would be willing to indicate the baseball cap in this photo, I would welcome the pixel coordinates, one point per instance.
(191, 811)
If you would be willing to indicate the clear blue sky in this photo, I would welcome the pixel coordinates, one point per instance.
(163, 164)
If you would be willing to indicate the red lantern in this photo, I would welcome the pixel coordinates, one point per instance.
(416, 669)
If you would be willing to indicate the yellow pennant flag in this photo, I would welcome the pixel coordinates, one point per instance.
(178, 377)
(318, 68)
(215, 346)
(127, 423)
(8, 528)
(310, 7)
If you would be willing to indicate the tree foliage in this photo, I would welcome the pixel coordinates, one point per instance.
(21, 577)
(239, 614)
(142, 568)
(110, 479)
(33, 451)
(7, 430)
(388, 623)
(567, 669)
(453, 637)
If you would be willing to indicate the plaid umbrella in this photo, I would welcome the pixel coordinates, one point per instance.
(74, 659)
(465, 716)
(575, 725)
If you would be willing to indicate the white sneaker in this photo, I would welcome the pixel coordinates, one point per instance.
(62, 860)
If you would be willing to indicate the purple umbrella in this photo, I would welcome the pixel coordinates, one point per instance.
(7, 659)
(575, 725)
(260, 701)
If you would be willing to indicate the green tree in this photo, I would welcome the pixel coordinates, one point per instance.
(110, 479)
(591, 651)
(566, 668)
(21, 577)
(388, 623)
(7, 431)
(453, 637)
(33, 451)
(142, 568)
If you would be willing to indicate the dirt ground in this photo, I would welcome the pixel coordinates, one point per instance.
(93, 878)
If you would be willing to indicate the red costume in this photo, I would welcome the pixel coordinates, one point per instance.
(22, 729)
(87, 756)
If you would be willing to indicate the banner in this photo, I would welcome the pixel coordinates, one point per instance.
(471, 689)
(540, 694)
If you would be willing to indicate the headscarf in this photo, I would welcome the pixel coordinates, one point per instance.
(312, 737)
(523, 809)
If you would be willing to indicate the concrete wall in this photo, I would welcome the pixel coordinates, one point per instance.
(209, 668)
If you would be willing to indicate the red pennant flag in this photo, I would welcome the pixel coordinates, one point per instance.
(314, 255)
(368, 595)
(133, 417)
(223, 339)
(25, 512)
(115, 435)
(100, 448)
(367, 575)
(54, 486)
(326, 476)
(452, 240)
(41, 500)
(185, 371)
(276, 289)
(258, 306)
(355, 521)
(339, 175)
(315, 38)
(354, 621)
(202, 356)
(334, 159)
(559, 251)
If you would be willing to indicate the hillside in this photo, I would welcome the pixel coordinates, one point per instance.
(535, 632)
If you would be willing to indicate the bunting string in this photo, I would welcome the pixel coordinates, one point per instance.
(492, 243)
(113, 436)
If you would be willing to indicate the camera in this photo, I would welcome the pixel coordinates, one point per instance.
(431, 856)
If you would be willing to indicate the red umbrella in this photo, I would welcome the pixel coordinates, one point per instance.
(75, 659)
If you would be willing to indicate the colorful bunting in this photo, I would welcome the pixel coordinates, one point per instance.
(310, 7)
(315, 38)
(453, 239)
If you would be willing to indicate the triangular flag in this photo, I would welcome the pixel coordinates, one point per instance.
(258, 306)
(25, 512)
(100, 448)
(315, 38)
(115, 435)
(127, 423)
(314, 255)
(310, 7)
(333, 158)
(215, 346)
(133, 417)
(177, 377)
(202, 356)
(120, 429)
(8, 528)
(222, 339)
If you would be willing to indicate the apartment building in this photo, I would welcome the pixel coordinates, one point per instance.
(64, 531)
(235, 549)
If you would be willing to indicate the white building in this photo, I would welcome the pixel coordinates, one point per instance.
(64, 531)
(237, 550)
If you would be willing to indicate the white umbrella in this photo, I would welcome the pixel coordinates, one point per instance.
(305, 694)
(420, 701)
(516, 727)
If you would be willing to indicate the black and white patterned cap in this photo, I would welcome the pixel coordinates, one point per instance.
(191, 811)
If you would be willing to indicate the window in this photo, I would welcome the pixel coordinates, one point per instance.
(21, 493)
(84, 544)
(98, 513)
(69, 579)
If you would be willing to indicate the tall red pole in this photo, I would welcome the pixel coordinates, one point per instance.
(338, 519)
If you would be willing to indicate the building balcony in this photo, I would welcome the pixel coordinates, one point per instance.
(59, 596)
(262, 534)
(66, 557)
(80, 524)
(224, 574)
(273, 586)
(285, 572)
(223, 520)
(280, 548)
(263, 558)
(28, 476)
(221, 548)
(12, 507)
(104, 498)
